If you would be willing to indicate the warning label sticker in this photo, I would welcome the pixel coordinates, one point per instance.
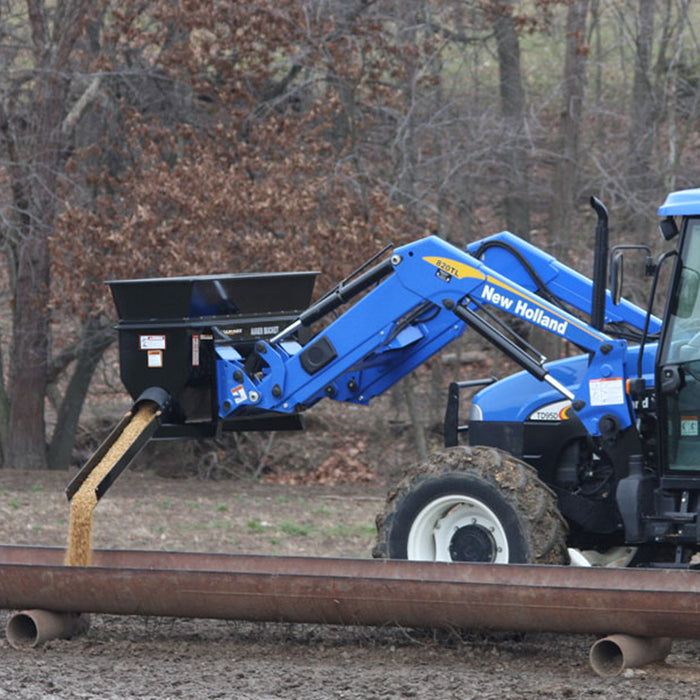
(239, 394)
(195, 351)
(689, 426)
(152, 342)
(606, 392)
(155, 358)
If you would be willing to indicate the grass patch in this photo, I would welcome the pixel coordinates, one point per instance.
(255, 526)
(294, 529)
(352, 531)
(222, 525)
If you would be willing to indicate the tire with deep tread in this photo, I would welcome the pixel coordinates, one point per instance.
(507, 491)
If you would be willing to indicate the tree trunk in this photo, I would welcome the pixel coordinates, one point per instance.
(643, 125)
(4, 414)
(408, 389)
(96, 339)
(30, 347)
(564, 184)
(26, 447)
(517, 197)
(32, 136)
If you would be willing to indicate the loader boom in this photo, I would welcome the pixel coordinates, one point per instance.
(425, 295)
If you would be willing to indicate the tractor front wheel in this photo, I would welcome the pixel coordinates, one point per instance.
(472, 504)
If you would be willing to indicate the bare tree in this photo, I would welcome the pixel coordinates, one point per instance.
(656, 105)
(678, 94)
(644, 118)
(35, 99)
(515, 165)
(567, 154)
(320, 125)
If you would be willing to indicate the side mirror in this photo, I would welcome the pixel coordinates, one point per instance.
(617, 264)
(616, 277)
(668, 228)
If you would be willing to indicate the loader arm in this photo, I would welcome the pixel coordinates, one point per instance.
(422, 297)
(540, 272)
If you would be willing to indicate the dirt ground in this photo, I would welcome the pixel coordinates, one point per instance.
(133, 657)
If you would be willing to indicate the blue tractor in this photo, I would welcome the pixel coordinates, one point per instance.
(593, 459)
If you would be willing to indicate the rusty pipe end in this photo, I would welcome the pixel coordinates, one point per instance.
(30, 628)
(611, 655)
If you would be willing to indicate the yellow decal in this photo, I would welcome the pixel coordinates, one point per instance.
(455, 268)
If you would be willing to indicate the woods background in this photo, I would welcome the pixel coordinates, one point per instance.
(150, 137)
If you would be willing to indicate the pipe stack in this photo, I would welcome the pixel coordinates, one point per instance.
(647, 604)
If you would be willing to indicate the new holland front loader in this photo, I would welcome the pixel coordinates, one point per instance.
(593, 458)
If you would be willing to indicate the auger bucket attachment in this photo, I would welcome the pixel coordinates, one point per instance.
(168, 329)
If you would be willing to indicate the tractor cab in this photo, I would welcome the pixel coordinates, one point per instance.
(678, 359)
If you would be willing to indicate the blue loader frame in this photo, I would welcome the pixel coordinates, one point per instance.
(424, 296)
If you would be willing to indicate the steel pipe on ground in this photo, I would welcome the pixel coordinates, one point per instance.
(611, 655)
(636, 602)
(30, 628)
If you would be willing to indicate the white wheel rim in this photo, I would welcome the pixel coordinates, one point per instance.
(435, 527)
